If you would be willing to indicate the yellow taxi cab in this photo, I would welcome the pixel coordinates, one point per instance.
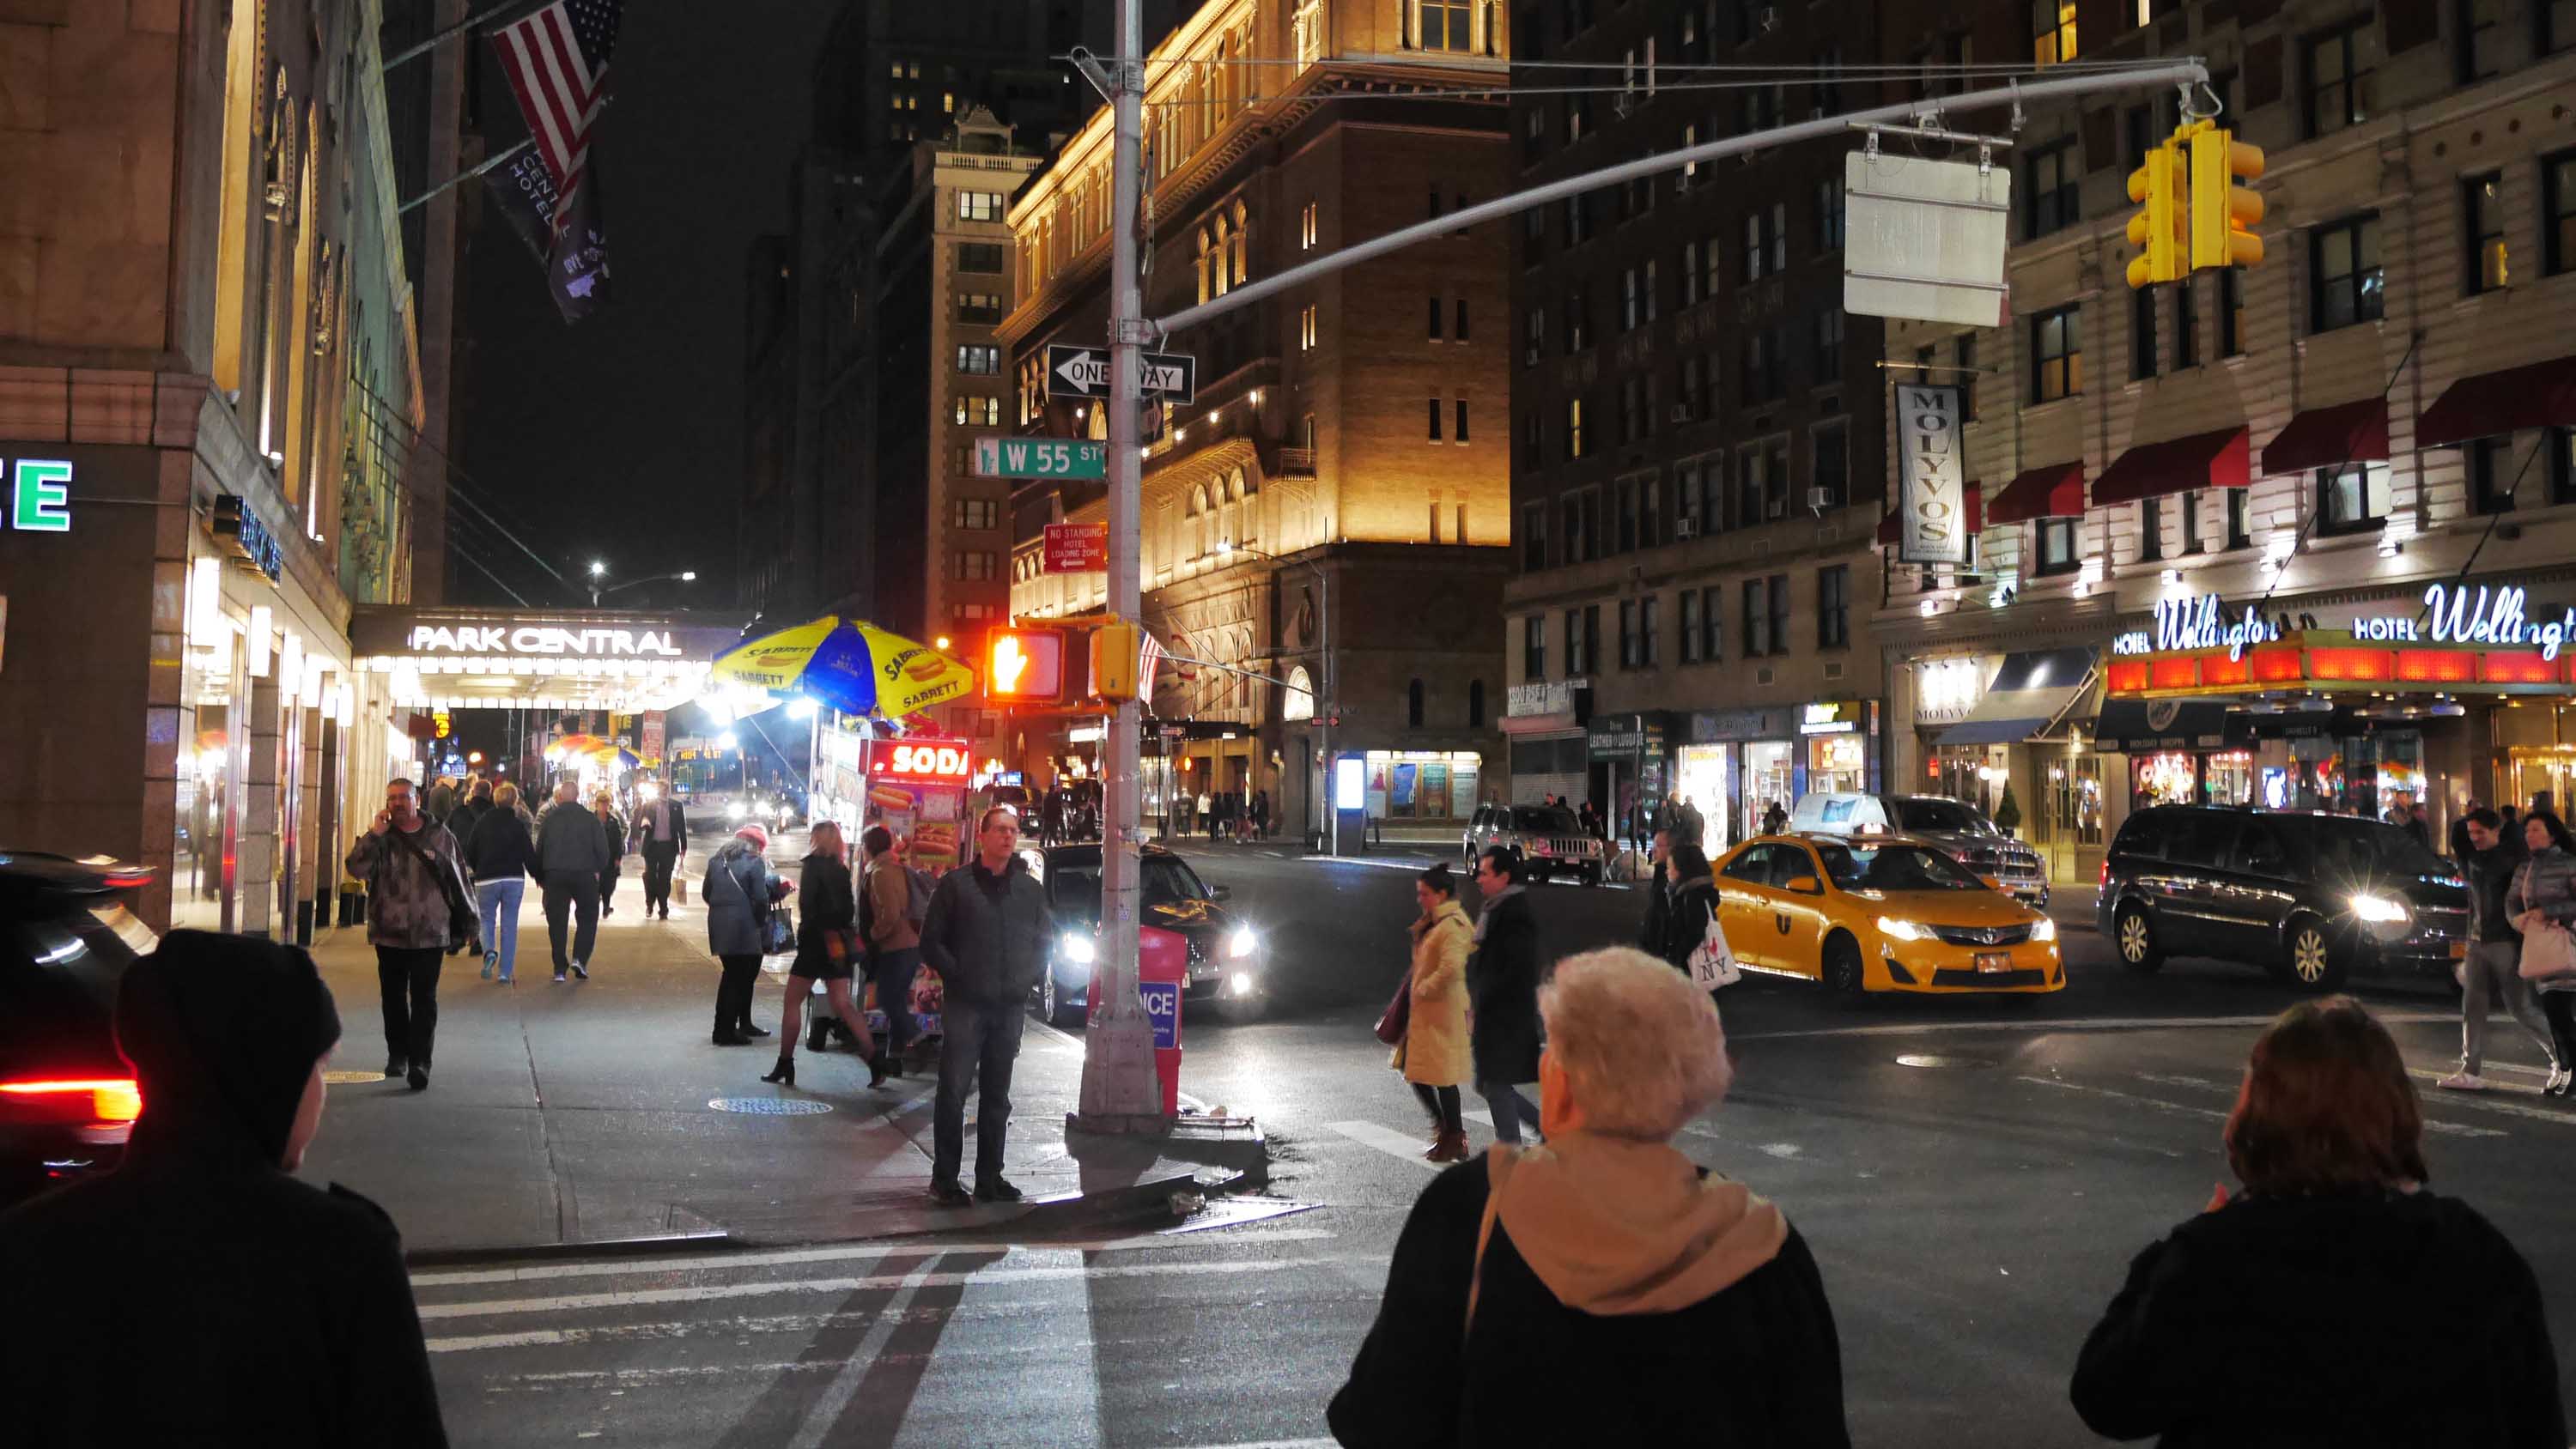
(1868, 913)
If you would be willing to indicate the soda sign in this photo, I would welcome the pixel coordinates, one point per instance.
(936, 762)
(1163, 1008)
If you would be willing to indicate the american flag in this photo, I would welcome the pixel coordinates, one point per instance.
(1150, 656)
(557, 61)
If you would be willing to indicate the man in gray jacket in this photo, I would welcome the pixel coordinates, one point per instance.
(572, 851)
(986, 934)
(410, 864)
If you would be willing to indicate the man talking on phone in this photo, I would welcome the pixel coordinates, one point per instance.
(407, 861)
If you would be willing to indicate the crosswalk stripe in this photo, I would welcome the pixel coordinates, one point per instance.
(2455, 1129)
(2486, 1101)
(1388, 1141)
(608, 1268)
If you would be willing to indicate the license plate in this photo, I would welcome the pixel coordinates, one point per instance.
(1994, 961)
(2459, 950)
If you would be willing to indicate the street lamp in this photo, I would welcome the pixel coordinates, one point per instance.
(1324, 705)
(597, 570)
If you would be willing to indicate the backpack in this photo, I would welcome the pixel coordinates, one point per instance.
(916, 904)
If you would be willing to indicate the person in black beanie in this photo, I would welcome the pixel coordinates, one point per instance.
(255, 1307)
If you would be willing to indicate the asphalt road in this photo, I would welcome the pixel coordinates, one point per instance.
(1973, 1176)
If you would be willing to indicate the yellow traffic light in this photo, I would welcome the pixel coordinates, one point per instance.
(2223, 213)
(2159, 230)
(1114, 648)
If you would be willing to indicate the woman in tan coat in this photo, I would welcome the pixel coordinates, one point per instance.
(1433, 1055)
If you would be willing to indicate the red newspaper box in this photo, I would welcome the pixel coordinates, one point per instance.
(1162, 970)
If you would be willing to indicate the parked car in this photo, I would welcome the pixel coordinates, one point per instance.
(67, 1100)
(1955, 825)
(1546, 839)
(1872, 913)
(2313, 898)
(1228, 959)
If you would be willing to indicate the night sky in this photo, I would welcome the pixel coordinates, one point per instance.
(621, 438)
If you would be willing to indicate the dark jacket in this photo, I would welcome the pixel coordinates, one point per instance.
(2379, 1319)
(987, 936)
(468, 816)
(1502, 991)
(2490, 877)
(612, 833)
(2545, 883)
(1754, 1363)
(500, 847)
(738, 892)
(827, 903)
(1686, 925)
(199, 1294)
(1659, 910)
(569, 838)
(646, 839)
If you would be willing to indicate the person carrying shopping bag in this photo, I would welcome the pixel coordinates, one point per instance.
(741, 894)
(1431, 1050)
(2542, 905)
(829, 949)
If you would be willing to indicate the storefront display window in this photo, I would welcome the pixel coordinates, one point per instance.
(1837, 762)
(2543, 770)
(2161, 779)
(1704, 778)
(2230, 779)
(1959, 771)
(1422, 785)
(1767, 777)
(2070, 815)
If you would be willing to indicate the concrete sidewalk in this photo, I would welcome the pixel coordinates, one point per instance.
(591, 1112)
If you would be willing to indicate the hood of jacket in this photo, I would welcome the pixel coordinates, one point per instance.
(222, 1033)
(1613, 1226)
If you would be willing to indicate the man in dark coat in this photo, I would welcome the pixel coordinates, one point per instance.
(572, 852)
(986, 933)
(200, 1294)
(1650, 934)
(661, 833)
(1502, 995)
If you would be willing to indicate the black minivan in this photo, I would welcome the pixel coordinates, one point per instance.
(2312, 898)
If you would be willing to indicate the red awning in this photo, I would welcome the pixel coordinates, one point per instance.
(2353, 432)
(2152, 470)
(2542, 395)
(1889, 533)
(2056, 491)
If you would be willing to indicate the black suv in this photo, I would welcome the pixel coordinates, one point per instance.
(67, 1100)
(2312, 898)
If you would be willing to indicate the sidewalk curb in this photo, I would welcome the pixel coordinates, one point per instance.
(645, 1246)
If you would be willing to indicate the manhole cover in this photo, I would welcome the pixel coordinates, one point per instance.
(351, 1079)
(770, 1106)
(1933, 1059)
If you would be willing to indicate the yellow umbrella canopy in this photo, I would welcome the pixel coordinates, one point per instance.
(851, 665)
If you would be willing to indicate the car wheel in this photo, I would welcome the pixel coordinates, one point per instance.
(2134, 937)
(1843, 970)
(2311, 958)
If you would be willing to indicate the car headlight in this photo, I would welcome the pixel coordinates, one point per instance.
(2379, 910)
(1077, 949)
(2044, 929)
(1901, 930)
(736, 810)
(1241, 943)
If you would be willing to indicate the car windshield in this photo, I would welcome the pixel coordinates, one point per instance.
(1076, 888)
(1894, 868)
(1948, 817)
(1544, 820)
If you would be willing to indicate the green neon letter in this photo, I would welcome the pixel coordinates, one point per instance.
(42, 498)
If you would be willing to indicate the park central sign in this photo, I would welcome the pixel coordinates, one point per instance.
(543, 640)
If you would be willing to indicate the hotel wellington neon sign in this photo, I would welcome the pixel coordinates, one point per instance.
(2453, 614)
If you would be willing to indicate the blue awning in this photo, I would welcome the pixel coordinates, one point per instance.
(2026, 696)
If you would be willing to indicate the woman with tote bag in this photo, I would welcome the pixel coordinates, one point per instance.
(2542, 904)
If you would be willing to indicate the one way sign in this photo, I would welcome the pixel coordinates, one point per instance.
(1084, 372)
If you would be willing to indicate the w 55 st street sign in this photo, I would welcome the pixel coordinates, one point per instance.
(1040, 458)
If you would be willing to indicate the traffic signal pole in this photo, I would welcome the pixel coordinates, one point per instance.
(1119, 1090)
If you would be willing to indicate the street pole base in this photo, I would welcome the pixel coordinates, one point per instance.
(1119, 1124)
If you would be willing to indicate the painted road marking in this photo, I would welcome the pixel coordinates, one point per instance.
(2026, 1025)
(2485, 1101)
(1417, 865)
(1389, 1141)
(715, 1262)
(2453, 1128)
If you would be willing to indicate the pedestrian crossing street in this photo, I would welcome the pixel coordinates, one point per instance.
(1190, 1337)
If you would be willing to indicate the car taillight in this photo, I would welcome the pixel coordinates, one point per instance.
(73, 1101)
(2106, 873)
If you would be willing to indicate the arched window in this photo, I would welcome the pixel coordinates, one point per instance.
(1203, 265)
(1476, 704)
(1299, 700)
(1222, 235)
(1413, 704)
(1242, 230)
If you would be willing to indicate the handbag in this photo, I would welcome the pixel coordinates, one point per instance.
(1398, 1014)
(841, 945)
(778, 934)
(1712, 961)
(2548, 954)
(462, 919)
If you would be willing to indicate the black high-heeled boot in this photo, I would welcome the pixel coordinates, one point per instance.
(784, 1074)
(877, 1066)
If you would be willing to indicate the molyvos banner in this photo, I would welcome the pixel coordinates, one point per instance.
(1932, 497)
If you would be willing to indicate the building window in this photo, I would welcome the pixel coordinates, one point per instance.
(2338, 83)
(1832, 470)
(2345, 285)
(975, 565)
(1829, 346)
(1413, 704)
(1766, 365)
(1766, 241)
(1646, 288)
(2142, 334)
(1779, 613)
(1533, 336)
(2056, 546)
(1577, 662)
(2056, 354)
(2239, 532)
(981, 205)
(978, 513)
(1533, 236)
(1690, 626)
(1534, 135)
(1434, 434)
(2231, 314)
(1306, 329)
(1458, 320)
(1458, 429)
(2483, 459)
(1833, 606)
(1432, 329)
(1647, 628)
(1578, 116)
(1690, 274)
(2352, 498)
(1534, 648)
(2480, 33)
(2190, 507)
(1757, 618)
(1625, 509)
(2561, 443)
(1650, 511)
(1533, 537)
(2558, 212)
(978, 412)
(1632, 409)
(1686, 405)
(981, 359)
(1578, 321)
(1710, 267)
(2482, 225)
(1628, 657)
(2052, 31)
(2151, 529)
(979, 256)
(1711, 502)
(1533, 440)
(980, 308)
(1575, 543)
(1631, 309)
(2186, 324)
(1712, 624)
(1829, 214)
(1573, 428)
(2051, 177)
